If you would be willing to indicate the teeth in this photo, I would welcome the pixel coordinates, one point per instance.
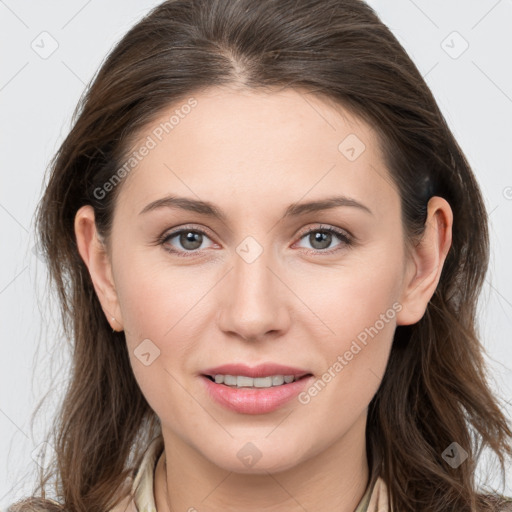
(240, 381)
(277, 380)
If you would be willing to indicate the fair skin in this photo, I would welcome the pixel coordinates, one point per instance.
(252, 155)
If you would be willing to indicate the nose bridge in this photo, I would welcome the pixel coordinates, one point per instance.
(252, 279)
(253, 301)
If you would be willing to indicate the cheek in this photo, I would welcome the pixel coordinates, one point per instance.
(164, 313)
(357, 305)
(157, 306)
(350, 298)
(153, 296)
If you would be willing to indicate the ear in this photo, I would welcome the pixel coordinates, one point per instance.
(426, 262)
(95, 256)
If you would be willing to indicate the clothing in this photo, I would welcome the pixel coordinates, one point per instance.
(374, 500)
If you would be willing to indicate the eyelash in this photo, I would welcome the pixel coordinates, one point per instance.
(344, 237)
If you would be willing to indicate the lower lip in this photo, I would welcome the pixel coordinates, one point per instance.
(254, 400)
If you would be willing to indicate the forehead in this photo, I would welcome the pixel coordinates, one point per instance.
(257, 146)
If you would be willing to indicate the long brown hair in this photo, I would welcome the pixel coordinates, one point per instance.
(434, 391)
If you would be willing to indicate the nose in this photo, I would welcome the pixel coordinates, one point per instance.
(253, 302)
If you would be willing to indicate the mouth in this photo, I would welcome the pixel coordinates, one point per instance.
(243, 381)
(257, 390)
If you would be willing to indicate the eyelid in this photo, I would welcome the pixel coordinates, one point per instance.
(326, 227)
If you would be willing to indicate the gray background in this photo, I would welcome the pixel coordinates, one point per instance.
(50, 50)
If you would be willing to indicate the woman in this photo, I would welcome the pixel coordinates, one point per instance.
(268, 247)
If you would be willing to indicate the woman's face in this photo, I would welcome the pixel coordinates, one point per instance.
(263, 281)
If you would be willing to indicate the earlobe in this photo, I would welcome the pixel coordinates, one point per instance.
(426, 262)
(95, 257)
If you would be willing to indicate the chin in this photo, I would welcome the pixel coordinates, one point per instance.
(257, 456)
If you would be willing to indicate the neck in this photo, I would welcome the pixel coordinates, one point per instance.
(333, 479)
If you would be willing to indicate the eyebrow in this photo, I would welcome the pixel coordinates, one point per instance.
(210, 210)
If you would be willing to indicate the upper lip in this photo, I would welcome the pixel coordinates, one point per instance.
(262, 370)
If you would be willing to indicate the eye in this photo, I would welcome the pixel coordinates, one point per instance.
(189, 241)
(322, 237)
(186, 240)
